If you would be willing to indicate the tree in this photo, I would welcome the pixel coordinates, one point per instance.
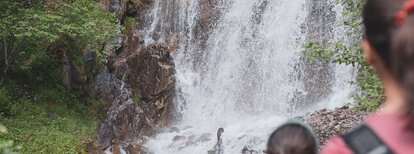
(30, 29)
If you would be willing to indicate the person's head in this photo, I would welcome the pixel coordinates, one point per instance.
(293, 138)
(389, 45)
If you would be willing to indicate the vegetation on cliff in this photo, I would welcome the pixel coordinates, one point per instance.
(46, 99)
(350, 53)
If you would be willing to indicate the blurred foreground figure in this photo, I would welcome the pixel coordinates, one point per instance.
(293, 137)
(389, 49)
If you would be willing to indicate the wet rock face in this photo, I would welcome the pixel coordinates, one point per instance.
(152, 76)
(124, 123)
(316, 76)
(149, 73)
(107, 87)
(89, 60)
(327, 123)
(136, 86)
(210, 13)
(124, 120)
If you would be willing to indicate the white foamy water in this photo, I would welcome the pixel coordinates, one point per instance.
(241, 80)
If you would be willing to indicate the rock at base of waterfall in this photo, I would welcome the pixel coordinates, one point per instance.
(174, 130)
(246, 150)
(327, 123)
(179, 138)
(204, 138)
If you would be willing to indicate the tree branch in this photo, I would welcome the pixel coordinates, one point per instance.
(11, 42)
(6, 59)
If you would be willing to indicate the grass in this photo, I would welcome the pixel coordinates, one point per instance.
(54, 126)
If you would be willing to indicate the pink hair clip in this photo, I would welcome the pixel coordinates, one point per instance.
(406, 9)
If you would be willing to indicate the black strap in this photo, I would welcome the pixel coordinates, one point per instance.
(364, 141)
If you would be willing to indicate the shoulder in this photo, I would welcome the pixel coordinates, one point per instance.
(335, 145)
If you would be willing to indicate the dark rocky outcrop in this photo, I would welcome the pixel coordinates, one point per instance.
(138, 93)
(136, 85)
(152, 76)
(71, 74)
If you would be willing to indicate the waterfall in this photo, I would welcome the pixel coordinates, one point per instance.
(239, 67)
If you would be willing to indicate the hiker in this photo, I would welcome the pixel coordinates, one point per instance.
(293, 137)
(389, 49)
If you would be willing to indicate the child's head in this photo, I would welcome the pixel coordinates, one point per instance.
(293, 138)
(389, 46)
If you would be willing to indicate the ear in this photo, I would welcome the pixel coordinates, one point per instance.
(368, 52)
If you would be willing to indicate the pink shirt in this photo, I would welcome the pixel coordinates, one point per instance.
(390, 128)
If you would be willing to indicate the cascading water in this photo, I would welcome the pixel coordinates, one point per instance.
(240, 72)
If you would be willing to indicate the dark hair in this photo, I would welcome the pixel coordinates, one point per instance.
(394, 43)
(292, 139)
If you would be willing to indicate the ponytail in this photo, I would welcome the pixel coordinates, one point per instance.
(402, 57)
(389, 28)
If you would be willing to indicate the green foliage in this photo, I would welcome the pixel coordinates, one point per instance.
(371, 96)
(316, 52)
(41, 114)
(352, 12)
(137, 98)
(130, 23)
(48, 125)
(7, 147)
(28, 31)
(46, 118)
(82, 20)
(339, 53)
(3, 129)
(4, 100)
(137, 3)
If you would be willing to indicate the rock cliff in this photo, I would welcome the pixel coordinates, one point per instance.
(136, 84)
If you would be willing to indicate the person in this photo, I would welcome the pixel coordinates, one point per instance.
(218, 148)
(389, 49)
(293, 137)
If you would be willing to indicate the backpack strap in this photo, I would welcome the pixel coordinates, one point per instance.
(364, 141)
